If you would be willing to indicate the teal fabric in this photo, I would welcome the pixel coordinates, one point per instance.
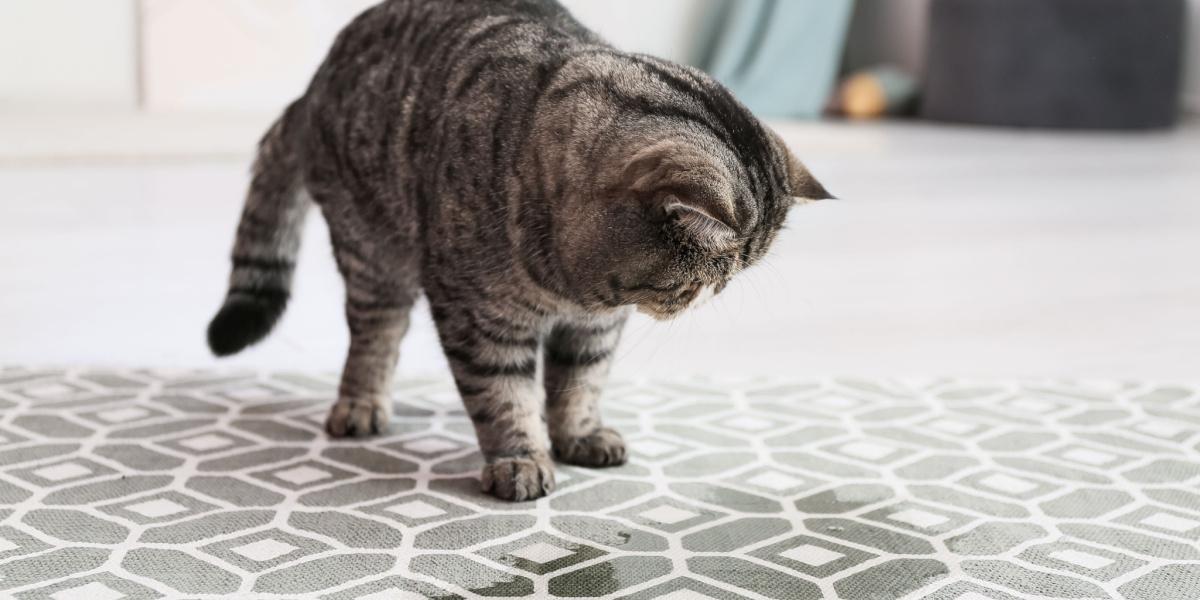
(781, 56)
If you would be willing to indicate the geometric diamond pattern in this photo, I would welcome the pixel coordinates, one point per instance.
(775, 480)
(416, 509)
(1171, 522)
(62, 472)
(206, 442)
(91, 591)
(668, 515)
(1086, 560)
(264, 550)
(541, 553)
(815, 556)
(132, 484)
(157, 508)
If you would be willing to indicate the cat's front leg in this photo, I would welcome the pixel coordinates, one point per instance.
(577, 362)
(494, 361)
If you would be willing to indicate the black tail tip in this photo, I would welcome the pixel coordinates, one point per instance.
(241, 323)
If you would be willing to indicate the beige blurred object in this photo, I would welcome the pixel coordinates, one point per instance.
(863, 97)
(876, 92)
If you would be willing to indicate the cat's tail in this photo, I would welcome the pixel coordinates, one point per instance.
(268, 240)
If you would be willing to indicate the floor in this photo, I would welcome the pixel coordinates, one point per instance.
(954, 251)
(1016, 260)
(141, 484)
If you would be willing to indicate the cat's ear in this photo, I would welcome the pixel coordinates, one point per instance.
(801, 184)
(697, 225)
(675, 183)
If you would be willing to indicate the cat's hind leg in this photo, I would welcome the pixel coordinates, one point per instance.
(378, 305)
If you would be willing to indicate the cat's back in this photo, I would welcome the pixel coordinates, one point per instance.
(413, 31)
(402, 50)
(406, 74)
(403, 64)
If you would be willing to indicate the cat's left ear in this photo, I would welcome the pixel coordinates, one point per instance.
(801, 184)
(674, 182)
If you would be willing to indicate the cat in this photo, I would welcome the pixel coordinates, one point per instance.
(535, 183)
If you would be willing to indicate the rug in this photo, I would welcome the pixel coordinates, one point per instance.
(147, 484)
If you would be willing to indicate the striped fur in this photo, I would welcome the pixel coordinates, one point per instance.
(268, 240)
(535, 184)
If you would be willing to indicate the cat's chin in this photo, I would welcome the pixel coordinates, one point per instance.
(657, 313)
(661, 313)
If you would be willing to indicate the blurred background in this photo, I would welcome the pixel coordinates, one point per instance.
(1020, 183)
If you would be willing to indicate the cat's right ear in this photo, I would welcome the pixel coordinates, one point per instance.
(801, 184)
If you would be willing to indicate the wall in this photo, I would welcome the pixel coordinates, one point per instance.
(667, 28)
(1192, 78)
(236, 55)
(889, 31)
(68, 53)
(254, 55)
(277, 44)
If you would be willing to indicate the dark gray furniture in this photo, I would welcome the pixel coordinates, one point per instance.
(1108, 64)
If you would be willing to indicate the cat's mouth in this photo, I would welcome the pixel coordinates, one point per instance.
(662, 302)
(665, 309)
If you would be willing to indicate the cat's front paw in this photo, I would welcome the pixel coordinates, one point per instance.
(357, 417)
(603, 448)
(518, 478)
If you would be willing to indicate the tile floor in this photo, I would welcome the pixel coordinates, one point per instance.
(804, 508)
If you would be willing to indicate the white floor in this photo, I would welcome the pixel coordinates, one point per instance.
(953, 252)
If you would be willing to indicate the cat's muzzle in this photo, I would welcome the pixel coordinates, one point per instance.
(669, 307)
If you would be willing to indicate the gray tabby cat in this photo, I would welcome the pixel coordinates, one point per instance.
(535, 183)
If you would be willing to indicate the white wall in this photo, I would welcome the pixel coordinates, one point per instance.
(259, 54)
(67, 53)
(667, 28)
(239, 55)
(233, 55)
(236, 55)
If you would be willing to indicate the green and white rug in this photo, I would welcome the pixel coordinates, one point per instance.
(145, 484)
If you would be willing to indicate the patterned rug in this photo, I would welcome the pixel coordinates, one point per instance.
(146, 484)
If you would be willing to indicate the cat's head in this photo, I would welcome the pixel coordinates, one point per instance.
(678, 213)
(674, 187)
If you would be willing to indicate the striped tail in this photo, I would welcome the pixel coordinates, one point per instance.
(268, 240)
